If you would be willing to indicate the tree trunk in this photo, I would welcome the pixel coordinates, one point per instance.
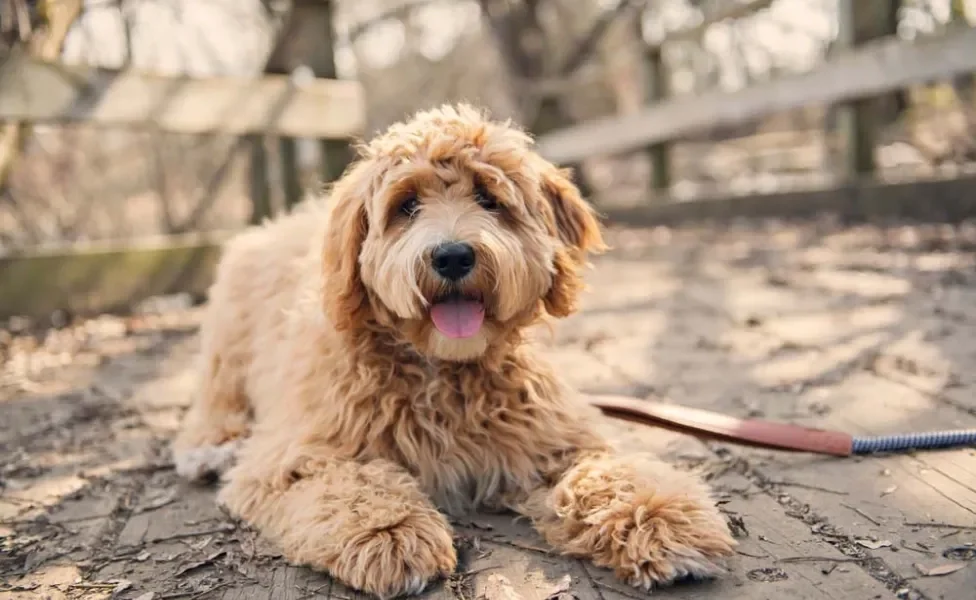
(58, 17)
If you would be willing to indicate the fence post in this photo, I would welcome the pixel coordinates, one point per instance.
(307, 40)
(291, 173)
(860, 21)
(259, 185)
(656, 90)
(965, 85)
(334, 155)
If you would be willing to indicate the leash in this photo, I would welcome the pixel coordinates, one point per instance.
(771, 434)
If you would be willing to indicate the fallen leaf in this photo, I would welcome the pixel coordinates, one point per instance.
(560, 591)
(499, 587)
(939, 570)
(201, 543)
(158, 502)
(120, 586)
(874, 545)
(767, 575)
(200, 564)
(738, 527)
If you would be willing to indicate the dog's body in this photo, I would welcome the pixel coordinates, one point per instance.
(364, 369)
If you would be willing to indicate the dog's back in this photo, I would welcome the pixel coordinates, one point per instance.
(258, 282)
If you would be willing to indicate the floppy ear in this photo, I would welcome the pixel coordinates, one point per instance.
(575, 224)
(575, 220)
(344, 294)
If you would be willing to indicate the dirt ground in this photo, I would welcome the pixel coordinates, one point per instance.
(868, 329)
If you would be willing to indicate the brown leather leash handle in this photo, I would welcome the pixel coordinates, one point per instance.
(703, 423)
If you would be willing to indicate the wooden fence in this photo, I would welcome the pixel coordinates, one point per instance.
(870, 62)
(106, 276)
(103, 276)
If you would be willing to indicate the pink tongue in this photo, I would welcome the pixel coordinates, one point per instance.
(458, 318)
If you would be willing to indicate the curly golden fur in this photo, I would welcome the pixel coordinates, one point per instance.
(348, 418)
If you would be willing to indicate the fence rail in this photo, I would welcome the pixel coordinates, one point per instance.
(52, 93)
(883, 66)
(107, 276)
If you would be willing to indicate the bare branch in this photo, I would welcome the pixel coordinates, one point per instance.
(514, 25)
(735, 11)
(399, 13)
(589, 42)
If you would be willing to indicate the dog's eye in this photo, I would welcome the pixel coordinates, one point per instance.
(485, 198)
(409, 205)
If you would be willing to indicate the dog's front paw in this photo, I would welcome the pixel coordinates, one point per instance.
(656, 540)
(206, 445)
(647, 522)
(398, 558)
(207, 462)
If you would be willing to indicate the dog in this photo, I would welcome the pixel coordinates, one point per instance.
(366, 373)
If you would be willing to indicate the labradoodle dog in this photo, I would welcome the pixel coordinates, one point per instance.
(366, 371)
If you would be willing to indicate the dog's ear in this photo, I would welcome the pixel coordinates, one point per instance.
(575, 220)
(575, 224)
(344, 294)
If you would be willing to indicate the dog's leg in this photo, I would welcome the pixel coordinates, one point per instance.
(636, 515)
(368, 524)
(218, 418)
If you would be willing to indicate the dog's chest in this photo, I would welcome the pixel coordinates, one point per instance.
(470, 452)
(472, 435)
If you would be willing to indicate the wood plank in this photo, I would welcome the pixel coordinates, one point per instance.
(766, 565)
(856, 502)
(876, 68)
(942, 199)
(94, 278)
(876, 499)
(44, 92)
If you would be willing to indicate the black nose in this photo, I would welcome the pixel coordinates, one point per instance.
(453, 260)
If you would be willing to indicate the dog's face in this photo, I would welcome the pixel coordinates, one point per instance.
(452, 231)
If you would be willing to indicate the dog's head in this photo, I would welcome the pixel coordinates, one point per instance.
(452, 231)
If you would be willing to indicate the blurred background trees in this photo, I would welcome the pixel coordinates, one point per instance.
(544, 63)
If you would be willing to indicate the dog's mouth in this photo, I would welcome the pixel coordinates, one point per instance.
(457, 315)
